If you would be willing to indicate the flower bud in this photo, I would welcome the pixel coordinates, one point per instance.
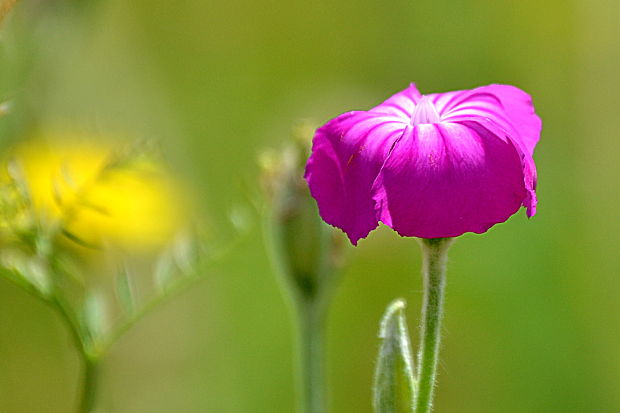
(306, 250)
(17, 222)
(5, 107)
(5, 7)
(394, 385)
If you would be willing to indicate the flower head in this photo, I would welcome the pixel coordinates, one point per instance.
(101, 193)
(428, 166)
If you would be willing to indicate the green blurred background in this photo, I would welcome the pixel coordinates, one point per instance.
(533, 315)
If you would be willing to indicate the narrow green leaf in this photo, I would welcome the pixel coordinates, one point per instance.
(28, 271)
(38, 274)
(185, 253)
(18, 279)
(164, 271)
(124, 291)
(95, 315)
(394, 386)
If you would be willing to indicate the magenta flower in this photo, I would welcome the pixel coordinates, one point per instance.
(428, 166)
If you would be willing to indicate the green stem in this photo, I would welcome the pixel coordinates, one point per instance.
(72, 324)
(89, 384)
(89, 362)
(435, 256)
(311, 346)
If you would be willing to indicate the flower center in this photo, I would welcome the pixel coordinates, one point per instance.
(425, 112)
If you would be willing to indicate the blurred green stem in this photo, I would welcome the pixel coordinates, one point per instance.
(72, 324)
(435, 256)
(89, 384)
(310, 289)
(311, 317)
(89, 361)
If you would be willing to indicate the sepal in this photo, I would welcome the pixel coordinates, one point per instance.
(394, 386)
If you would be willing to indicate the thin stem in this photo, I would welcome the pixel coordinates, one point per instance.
(435, 255)
(72, 324)
(89, 384)
(89, 361)
(312, 364)
(309, 279)
(88, 387)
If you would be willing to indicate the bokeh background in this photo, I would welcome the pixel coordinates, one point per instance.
(533, 315)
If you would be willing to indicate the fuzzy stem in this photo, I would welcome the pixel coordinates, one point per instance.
(311, 356)
(435, 255)
(309, 282)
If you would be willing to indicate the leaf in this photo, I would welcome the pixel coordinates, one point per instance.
(164, 271)
(125, 291)
(394, 386)
(37, 273)
(95, 315)
(27, 271)
(185, 253)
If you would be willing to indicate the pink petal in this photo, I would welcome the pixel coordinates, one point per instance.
(347, 155)
(527, 161)
(509, 107)
(505, 111)
(401, 104)
(445, 179)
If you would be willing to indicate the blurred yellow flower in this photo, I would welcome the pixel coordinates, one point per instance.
(101, 196)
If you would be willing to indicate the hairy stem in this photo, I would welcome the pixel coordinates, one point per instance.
(435, 255)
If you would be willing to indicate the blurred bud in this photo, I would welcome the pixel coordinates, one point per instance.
(17, 223)
(394, 385)
(5, 107)
(240, 218)
(5, 7)
(307, 250)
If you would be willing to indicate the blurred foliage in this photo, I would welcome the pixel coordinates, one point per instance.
(74, 210)
(532, 321)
